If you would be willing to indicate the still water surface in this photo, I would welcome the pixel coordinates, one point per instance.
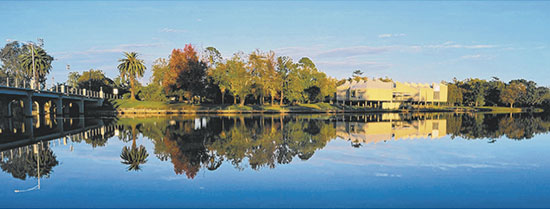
(355, 160)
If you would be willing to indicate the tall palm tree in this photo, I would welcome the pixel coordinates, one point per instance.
(42, 63)
(131, 67)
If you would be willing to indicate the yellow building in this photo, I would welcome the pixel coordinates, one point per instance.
(390, 95)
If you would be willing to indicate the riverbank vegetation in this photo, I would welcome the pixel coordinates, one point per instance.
(191, 79)
(20, 62)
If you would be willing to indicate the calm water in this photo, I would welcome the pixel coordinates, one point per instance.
(389, 160)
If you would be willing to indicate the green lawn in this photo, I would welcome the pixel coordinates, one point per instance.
(316, 107)
(135, 104)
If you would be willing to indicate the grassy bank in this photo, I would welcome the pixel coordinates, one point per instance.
(139, 106)
(162, 108)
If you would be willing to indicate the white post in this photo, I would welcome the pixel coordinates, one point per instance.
(33, 82)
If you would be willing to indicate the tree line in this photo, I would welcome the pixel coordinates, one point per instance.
(255, 78)
(479, 92)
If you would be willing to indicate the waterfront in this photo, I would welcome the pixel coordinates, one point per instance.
(349, 160)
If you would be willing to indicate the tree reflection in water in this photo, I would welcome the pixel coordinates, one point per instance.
(494, 126)
(25, 143)
(193, 143)
(22, 163)
(133, 156)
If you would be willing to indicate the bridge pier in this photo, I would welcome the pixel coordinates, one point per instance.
(29, 129)
(81, 122)
(58, 106)
(80, 107)
(27, 106)
(65, 106)
(41, 108)
(59, 127)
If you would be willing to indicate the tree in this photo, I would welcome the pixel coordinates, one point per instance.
(532, 95)
(511, 93)
(240, 79)
(304, 82)
(187, 74)
(160, 68)
(494, 88)
(217, 70)
(357, 76)
(296, 85)
(454, 94)
(256, 67)
(213, 56)
(95, 80)
(262, 67)
(327, 85)
(72, 79)
(274, 78)
(152, 92)
(42, 63)
(284, 67)
(131, 67)
(11, 64)
(219, 74)
(474, 91)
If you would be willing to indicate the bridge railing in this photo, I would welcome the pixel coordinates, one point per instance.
(64, 89)
(15, 83)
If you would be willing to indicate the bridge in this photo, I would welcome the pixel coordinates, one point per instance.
(60, 99)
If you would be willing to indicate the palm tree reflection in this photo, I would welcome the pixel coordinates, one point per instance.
(134, 156)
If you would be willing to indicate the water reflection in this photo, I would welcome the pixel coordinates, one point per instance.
(196, 143)
(26, 143)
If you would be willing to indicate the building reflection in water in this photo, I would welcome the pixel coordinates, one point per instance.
(381, 128)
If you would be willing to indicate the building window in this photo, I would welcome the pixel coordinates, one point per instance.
(353, 92)
(436, 95)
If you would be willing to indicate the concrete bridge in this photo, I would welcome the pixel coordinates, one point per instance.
(60, 99)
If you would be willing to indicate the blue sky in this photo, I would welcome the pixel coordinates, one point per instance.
(411, 41)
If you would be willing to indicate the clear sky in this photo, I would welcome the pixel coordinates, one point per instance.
(412, 41)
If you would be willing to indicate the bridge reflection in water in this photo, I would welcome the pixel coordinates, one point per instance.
(26, 143)
(26, 131)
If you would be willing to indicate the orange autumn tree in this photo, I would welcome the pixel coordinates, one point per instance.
(186, 76)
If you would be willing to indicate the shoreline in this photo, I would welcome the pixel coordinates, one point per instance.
(183, 111)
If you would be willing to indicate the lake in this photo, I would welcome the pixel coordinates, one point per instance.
(345, 160)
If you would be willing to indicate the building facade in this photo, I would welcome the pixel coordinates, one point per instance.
(390, 95)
